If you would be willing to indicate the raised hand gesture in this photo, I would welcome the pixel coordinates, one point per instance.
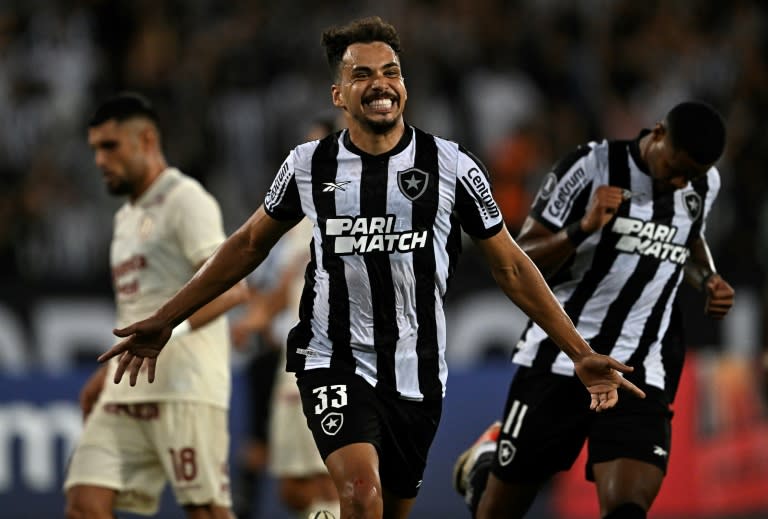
(603, 206)
(601, 375)
(143, 341)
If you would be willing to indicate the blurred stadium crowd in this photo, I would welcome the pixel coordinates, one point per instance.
(238, 82)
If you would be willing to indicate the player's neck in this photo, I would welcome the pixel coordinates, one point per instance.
(376, 143)
(154, 169)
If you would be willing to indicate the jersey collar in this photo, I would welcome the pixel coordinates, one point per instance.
(634, 151)
(403, 143)
(158, 189)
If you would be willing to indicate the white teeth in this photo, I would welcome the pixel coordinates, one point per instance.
(381, 104)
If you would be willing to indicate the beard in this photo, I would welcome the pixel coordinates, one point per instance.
(119, 188)
(380, 127)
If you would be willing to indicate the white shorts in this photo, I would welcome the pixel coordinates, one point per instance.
(136, 448)
(292, 450)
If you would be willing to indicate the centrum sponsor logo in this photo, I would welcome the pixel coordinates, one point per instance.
(360, 235)
(569, 187)
(477, 185)
(649, 239)
(278, 187)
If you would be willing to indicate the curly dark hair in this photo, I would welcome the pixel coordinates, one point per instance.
(697, 129)
(364, 30)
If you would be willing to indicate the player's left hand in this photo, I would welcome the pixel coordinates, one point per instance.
(719, 297)
(144, 341)
(601, 375)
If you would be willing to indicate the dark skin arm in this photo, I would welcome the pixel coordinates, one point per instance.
(234, 296)
(240, 254)
(550, 251)
(700, 273)
(522, 282)
(92, 388)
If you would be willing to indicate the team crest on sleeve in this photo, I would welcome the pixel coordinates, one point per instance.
(548, 186)
(412, 182)
(692, 202)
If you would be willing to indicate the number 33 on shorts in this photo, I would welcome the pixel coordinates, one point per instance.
(335, 396)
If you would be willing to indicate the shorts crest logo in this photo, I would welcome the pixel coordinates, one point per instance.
(412, 182)
(507, 452)
(331, 423)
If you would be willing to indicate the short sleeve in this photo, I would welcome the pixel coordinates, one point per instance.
(476, 209)
(282, 200)
(565, 190)
(199, 226)
(713, 184)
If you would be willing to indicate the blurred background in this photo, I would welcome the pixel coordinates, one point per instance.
(237, 84)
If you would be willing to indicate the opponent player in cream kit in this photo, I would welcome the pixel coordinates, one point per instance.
(136, 439)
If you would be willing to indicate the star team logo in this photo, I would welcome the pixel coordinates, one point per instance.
(692, 202)
(412, 182)
(331, 423)
(506, 452)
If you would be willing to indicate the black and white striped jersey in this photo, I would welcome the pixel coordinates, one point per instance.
(386, 235)
(619, 286)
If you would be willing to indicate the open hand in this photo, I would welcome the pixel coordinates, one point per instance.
(601, 375)
(143, 341)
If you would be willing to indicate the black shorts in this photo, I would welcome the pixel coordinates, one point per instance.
(342, 408)
(260, 375)
(547, 420)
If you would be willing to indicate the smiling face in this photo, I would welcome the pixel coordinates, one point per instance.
(670, 168)
(370, 88)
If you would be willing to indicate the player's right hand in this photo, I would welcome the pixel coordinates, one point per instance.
(605, 201)
(602, 376)
(143, 342)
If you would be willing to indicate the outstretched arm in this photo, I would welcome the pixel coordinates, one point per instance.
(237, 256)
(522, 282)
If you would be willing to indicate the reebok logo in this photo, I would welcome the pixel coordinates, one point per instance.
(333, 186)
(659, 451)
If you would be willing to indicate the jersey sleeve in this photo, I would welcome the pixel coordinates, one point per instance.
(713, 189)
(476, 209)
(565, 191)
(282, 200)
(199, 226)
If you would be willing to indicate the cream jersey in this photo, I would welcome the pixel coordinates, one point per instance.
(158, 243)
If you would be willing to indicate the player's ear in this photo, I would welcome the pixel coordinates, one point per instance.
(337, 97)
(149, 136)
(659, 130)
